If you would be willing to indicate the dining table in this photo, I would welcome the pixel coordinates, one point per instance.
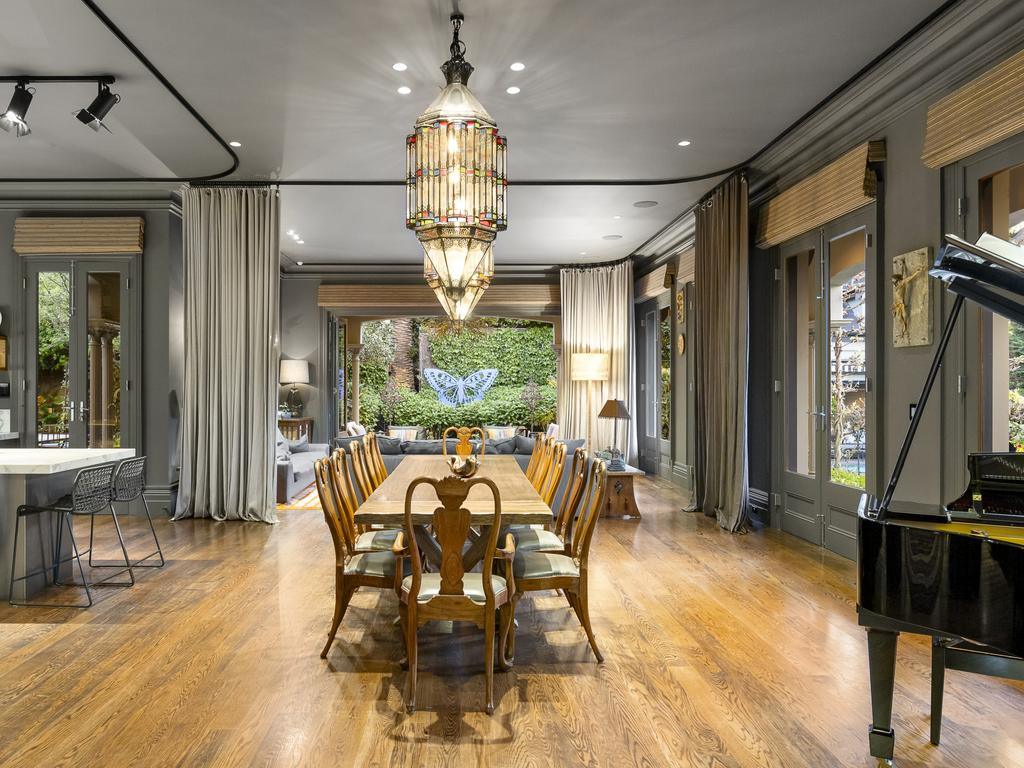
(38, 476)
(520, 502)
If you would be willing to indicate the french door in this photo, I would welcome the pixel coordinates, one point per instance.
(81, 342)
(654, 372)
(829, 280)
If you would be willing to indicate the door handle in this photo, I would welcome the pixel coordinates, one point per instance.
(83, 412)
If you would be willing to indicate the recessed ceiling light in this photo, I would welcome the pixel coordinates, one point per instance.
(405, 90)
(684, 143)
(399, 66)
(611, 237)
(235, 144)
(616, 217)
(583, 253)
(299, 263)
(301, 242)
(517, 66)
(290, 233)
(512, 89)
(645, 203)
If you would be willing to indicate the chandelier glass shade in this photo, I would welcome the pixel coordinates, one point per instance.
(455, 176)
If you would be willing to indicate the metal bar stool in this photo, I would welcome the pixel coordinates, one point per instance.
(89, 495)
(129, 482)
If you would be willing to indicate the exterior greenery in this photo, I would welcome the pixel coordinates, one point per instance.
(522, 352)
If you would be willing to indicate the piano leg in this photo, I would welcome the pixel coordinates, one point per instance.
(882, 668)
(938, 681)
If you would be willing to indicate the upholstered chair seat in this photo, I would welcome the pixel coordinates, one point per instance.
(472, 586)
(529, 539)
(543, 565)
(371, 564)
(377, 540)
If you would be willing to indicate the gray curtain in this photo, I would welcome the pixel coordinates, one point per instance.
(721, 285)
(597, 316)
(232, 276)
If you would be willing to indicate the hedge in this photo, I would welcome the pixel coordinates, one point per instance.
(520, 354)
(502, 405)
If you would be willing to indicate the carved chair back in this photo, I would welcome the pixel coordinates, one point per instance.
(586, 521)
(547, 448)
(336, 522)
(574, 490)
(556, 468)
(344, 494)
(463, 435)
(450, 524)
(374, 459)
(360, 468)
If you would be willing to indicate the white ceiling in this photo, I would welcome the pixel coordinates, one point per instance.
(307, 86)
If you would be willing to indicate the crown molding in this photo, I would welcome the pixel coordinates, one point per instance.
(967, 39)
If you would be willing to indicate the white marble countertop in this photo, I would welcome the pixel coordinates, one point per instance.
(48, 461)
(9, 435)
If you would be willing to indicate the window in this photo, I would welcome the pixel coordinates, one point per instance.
(1002, 419)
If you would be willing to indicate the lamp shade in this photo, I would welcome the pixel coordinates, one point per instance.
(294, 372)
(614, 409)
(589, 366)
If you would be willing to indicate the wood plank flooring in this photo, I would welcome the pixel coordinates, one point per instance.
(724, 651)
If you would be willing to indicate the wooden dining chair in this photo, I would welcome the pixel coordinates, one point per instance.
(536, 571)
(556, 467)
(360, 469)
(532, 539)
(464, 447)
(538, 449)
(374, 459)
(363, 539)
(352, 569)
(452, 594)
(543, 462)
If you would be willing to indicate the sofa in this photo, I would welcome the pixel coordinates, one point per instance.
(393, 452)
(295, 460)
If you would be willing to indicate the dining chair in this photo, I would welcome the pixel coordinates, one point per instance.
(360, 469)
(538, 449)
(374, 459)
(452, 594)
(543, 462)
(536, 571)
(362, 539)
(463, 435)
(352, 569)
(90, 495)
(128, 485)
(553, 478)
(533, 539)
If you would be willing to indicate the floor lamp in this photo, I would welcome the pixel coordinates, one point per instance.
(589, 367)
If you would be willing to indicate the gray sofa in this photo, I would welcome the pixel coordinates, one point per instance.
(394, 451)
(295, 459)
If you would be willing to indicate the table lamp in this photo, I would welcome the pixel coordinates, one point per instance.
(615, 409)
(294, 372)
(589, 367)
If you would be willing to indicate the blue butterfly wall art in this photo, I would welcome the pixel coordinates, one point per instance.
(454, 391)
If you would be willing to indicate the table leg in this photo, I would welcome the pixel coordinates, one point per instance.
(476, 551)
(428, 545)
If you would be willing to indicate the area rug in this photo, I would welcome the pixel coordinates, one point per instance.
(306, 499)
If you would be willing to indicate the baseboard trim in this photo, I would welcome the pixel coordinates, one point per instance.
(682, 474)
(160, 498)
(758, 507)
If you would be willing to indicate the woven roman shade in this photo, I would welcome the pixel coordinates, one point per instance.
(842, 186)
(527, 298)
(61, 236)
(987, 110)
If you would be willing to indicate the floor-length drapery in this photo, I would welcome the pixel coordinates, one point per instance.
(721, 286)
(597, 316)
(232, 274)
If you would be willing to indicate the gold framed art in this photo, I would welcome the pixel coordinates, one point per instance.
(680, 344)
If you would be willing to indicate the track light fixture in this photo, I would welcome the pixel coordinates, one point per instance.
(13, 119)
(93, 115)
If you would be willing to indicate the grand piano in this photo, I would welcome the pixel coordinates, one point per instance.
(954, 572)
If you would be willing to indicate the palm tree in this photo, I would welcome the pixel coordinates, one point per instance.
(401, 336)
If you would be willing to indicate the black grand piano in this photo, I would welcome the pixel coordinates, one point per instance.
(954, 572)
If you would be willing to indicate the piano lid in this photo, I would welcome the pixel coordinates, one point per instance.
(990, 273)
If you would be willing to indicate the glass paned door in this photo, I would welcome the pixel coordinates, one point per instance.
(827, 358)
(79, 329)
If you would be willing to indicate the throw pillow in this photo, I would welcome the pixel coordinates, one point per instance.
(499, 433)
(524, 445)
(425, 447)
(389, 446)
(344, 440)
(404, 433)
(504, 447)
(299, 446)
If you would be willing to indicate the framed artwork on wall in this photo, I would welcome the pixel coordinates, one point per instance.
(911, 299)
(3, 353)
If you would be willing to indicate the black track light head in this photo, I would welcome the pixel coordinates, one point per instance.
(13, 120)
(93, 115)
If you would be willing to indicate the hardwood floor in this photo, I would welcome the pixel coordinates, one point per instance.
(720, 651)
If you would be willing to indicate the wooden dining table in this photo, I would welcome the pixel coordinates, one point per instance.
(520, 502)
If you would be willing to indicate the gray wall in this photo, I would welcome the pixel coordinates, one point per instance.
(162, 325)
(303, 333)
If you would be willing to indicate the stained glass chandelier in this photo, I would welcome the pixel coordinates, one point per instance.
(455, 176)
